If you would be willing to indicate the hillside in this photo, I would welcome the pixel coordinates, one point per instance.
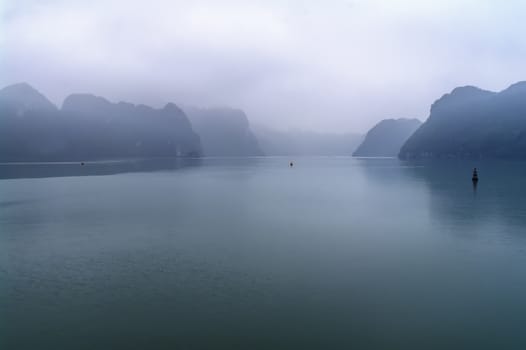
(224, 132)
(472, 123)
(386, 138)
(88, 128)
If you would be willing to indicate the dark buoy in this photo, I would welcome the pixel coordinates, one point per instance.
(291, 164)
(81, 163)
(475, 177)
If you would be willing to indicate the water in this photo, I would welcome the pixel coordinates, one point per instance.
(252, 254)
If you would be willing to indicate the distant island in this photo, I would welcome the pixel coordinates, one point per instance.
(306, 143)
(386, 138)
(467, 123)
(224, 131)
(473, 123)
(88, 127)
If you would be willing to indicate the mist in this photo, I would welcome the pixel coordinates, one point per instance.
(262, 174)
(336, 66)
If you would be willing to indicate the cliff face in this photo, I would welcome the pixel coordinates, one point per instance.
(89, 127)
(124, 129)
(470, 122)
(23, 97)
(387, 137)
(30, 125)
(224, 132)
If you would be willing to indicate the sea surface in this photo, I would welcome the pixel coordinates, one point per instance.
(332, 253)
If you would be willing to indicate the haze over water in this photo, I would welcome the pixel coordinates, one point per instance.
(252, 254)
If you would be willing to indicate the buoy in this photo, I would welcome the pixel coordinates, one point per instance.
(475, 177)
(81, 163)
(291, 164)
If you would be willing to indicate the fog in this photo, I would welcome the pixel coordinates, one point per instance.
(332, 66)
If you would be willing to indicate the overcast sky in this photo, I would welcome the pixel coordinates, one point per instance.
(314, 65)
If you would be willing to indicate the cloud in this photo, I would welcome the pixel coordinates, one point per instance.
(335, 65)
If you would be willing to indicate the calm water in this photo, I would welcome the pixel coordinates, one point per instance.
(334, 253)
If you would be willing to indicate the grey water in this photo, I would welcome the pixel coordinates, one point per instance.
(332, 253)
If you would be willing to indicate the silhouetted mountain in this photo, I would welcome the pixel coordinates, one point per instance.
(304, 143)
(470, 122)
(88, 128)
(23, 97)
(386, 138)
(224, 131)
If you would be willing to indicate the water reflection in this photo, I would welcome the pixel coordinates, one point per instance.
(41, 170)
(456, 200)
(250, 249)
(495, 203)
(111, 167)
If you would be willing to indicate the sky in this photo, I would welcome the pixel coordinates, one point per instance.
(330, 66)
